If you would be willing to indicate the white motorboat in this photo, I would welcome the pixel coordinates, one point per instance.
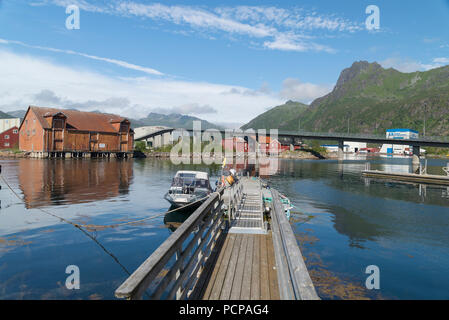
(188, 187)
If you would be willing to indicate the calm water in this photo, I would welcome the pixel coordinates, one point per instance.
(343, 223)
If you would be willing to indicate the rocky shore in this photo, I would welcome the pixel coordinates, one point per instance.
(13, 154)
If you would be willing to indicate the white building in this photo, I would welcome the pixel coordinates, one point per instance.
(399, 134)
(6, 124)
(348, 146)
(157, 141)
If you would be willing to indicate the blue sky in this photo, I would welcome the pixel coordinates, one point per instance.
(224, 61)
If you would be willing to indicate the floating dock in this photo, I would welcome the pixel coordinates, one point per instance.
(411, 177)
(227, 249)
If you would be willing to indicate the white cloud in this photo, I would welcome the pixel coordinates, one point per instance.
(441, 60)
(295, 18)
(294, 89)
(193, 17)
(26, 80)
(281, 29)
(120, 63)
(409, 65)
(190, 108)
(288, 42)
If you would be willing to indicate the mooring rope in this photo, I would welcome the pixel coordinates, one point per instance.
(95, 226)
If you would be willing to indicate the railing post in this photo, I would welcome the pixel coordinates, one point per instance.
(178, 273)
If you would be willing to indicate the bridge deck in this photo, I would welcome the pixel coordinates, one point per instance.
(244, 269)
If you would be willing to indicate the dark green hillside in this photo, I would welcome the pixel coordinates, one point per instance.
(277, 117)
(373, 99)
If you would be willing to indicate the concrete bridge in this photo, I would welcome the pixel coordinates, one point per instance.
(154, 136)
(295, 137)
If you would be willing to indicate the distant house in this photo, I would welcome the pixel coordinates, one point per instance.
(9, 139)
(8, 123)
(235, 143)
(60, 130)
(269, 145)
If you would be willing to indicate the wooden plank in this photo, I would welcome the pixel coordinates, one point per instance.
(218, 285)
(264, 278)
(255, 275)
(238, 278)
(299, 276)
(272, 272)
(213, 277)
(230, 272)
(283, 274)
(245, 293)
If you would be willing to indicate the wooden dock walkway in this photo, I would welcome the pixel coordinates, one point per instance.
(244, 270)
(248, 217)
(226, 250)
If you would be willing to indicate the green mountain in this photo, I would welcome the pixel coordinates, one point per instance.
(153, 119)
(277, 117)
(4, 115)
(370, 99)
(17, 113)
(173, 120)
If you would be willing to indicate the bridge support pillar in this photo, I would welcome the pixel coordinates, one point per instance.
(415, 159)
(341, 145)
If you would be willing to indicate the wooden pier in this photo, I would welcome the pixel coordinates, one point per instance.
(227, 249)
(421, 177)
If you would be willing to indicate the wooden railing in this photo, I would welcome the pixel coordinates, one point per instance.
(293, 277)
(189, 246)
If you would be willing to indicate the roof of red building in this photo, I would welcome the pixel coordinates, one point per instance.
(8, 130)
(80, 120)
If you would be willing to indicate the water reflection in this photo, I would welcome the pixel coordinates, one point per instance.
(173, 220)
(363, 210)
(56, 182)
(355, 223)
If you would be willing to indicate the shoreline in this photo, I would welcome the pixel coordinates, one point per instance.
(305, 155)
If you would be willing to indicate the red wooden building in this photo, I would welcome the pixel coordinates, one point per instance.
(269, 145)
(237, 144)
(49, 131)
(9, 139)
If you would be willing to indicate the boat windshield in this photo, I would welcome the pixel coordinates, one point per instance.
(183, 179)
(202, 183)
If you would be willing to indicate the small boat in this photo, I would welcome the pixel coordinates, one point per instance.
(189, 187)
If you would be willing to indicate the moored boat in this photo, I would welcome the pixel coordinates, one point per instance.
(188, 188)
